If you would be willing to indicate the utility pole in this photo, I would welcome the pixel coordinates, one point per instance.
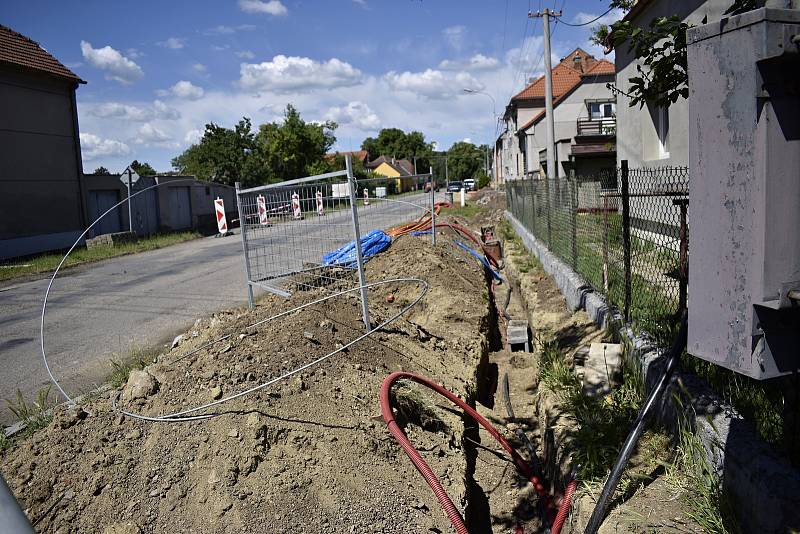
(548, 91)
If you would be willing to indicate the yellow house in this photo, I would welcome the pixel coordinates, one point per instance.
(399, 169)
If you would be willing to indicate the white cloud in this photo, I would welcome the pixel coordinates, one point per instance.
(152, 135)
(163, 111)
(433, 84)
(118, 67)
(356, 113)
(285, 74)
(93, 146)
(455, 36)
(174, 43)
(272, 7)
(132, 112)
(609, 18)
(193, 136)
(229, 30)
(133, 53)
(199, 67)
(183, 89)
(245, 54)
(475, 63)
(362, 3)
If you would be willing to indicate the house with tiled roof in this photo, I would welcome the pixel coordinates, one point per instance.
(583, 112)
(40, 154)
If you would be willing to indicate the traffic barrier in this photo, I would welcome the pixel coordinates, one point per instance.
(320, 205)
(222, 223)
(262, 210)
(298, 214)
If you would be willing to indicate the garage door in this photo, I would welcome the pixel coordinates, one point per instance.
(180, 208)
(99, 203)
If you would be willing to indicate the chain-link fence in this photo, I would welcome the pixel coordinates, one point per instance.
(625, 232)
(293, 232)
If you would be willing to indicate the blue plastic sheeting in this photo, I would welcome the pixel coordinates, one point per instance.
(481, 258)
(371, 244)
(421, 232)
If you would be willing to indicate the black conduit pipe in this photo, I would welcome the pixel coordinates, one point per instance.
(599, 513)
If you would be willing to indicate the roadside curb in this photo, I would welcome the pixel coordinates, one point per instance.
(764, 487)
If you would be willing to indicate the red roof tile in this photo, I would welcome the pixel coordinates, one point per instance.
(564, 79)
(19, 50)
(600, 67)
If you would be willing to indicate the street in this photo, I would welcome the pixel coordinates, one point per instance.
(100, 311)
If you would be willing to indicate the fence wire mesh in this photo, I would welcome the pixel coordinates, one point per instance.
(625, 232)
(288, 229)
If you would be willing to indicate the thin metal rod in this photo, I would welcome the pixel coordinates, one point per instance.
(351, 180)
(315, 178)
(61, 264)
(243, 231)
(182, 416)
(433, 211)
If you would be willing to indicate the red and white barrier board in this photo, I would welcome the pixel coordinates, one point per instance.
(222, 223)
(320, 206)
(366, 196)
(262, 210)
(298, 214)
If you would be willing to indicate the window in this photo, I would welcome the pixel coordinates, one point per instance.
(601, 110)
(662, 131)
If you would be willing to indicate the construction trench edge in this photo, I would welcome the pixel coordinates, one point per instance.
(764, 487)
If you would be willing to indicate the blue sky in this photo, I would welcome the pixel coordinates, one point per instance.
(157, 72)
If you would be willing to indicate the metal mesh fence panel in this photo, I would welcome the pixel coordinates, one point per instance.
(625, 232)
(289, 229)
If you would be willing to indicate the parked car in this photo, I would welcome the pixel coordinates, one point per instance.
(428, 186)
(469, 184)
(454, 187)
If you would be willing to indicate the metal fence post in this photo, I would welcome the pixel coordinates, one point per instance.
(243, 231)
(605, 245)
(548, 209)
(533, 207)
(574, 217)
(626, 239)
(683, 266)
(433, 210)
(351, 181)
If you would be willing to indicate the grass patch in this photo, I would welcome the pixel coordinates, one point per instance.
(760, 402)
(468, 212)
(602, 422)
(37, 414)
(138, 358)
(48, 262)
(690, 472)
(5, 442)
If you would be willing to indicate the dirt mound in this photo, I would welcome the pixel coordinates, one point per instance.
(308, 454)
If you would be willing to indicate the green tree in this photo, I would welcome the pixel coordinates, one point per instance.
(294, 148)
(223, 155)
(464, 160)
(393, 142)
(279, 151)
(143, 168)
(101, 170)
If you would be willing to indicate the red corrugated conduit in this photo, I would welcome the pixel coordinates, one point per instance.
(447, 505)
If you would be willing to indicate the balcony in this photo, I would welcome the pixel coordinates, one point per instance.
(604, 126)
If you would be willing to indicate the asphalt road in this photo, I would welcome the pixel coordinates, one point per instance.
(100, 311)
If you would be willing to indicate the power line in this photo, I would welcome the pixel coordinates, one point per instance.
(589, 22)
